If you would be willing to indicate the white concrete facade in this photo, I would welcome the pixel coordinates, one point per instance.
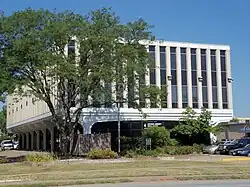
(25, 116)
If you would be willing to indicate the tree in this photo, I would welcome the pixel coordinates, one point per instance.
(101, 51)
(159, 136)
(192, 128)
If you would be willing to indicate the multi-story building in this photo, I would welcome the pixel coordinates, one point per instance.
(195, 75)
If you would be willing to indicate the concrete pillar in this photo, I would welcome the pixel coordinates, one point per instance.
(209, 80)
(44, 139)
(229, 82)
(157, 69)
(37, 140)
(27, 141)
(32, 140)
(178, 72)
(189, 78)
(218, 75)
(52, 135)
(169, 88)
(199, 75)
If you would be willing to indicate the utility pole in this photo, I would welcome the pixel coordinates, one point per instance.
(119, 127)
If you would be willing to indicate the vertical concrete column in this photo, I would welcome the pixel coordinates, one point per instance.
(32, 140)
(27, 141)
(157, 69)
(52, 135)
(209, 80)
(189, 78)
(44, 139)
(199, 75)
(218, 75)
(178, 72)
(169, 88)
(37, 140)
(229, 81)
(19, 139)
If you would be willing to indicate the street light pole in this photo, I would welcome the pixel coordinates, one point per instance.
(119, 127)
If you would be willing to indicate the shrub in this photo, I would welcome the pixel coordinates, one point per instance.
(182, 150)
(102, 154)
(160, 136)
(40, 157)
(3, 161)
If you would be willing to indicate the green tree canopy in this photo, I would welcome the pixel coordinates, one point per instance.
(101, 51)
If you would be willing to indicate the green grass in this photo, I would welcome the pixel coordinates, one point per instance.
(62, 173)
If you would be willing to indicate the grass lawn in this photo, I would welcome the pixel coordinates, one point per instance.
(62, 173)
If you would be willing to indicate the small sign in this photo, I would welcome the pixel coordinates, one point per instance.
(148, 141)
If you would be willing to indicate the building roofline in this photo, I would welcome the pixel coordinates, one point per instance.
(186, 44)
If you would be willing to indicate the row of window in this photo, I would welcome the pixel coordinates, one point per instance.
(21, 107)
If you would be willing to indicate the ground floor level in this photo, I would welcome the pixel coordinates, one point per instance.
(39, 132)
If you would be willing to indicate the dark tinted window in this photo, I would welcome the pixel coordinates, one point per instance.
(194, 94)
(203, 63)
(183, 61)
(223, 63)
(162, 49)
(184, 77)
(151, 48)
(194, 78)
(174, 78)
(222, 52)
(174, 94)
(214, 79)
(204, 94)
(173, 61)
(213, 63)
(172, 49)
(215, 95)
(213, 52)
(183, 50)
(152, 76)
(163, 77)
(203, 51)
(223, 79)
(193, 62)
(204, 78)
(163, 60)
(224, 95)
(193, 51)
(184, 94)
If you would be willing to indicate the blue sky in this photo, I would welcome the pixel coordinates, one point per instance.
(204, 21)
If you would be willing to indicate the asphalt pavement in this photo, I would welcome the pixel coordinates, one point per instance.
(224, 183)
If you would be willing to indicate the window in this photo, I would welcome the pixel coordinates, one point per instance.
(9, 113)
(184, 77)
(173, 61)
(163, 77)
(213, 63)
(183, 58)
(195, 96)
(151, 48)
(163, 60)
(193, 62)
(21, 106)
(204, 97)
(12, 111)
(203, 63)
(223, 78)
(26, 103)
(184, 97)
(204, 78)
(214, 79)
(16, 108)
(194, 78)
(215, 97)
(174, 97)
(174, 77)
(152, 76)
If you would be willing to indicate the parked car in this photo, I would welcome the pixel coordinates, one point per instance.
(236, 144)
(245, 151)
(211, 149)
(7, 144)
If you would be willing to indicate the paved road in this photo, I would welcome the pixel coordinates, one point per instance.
(228, 183)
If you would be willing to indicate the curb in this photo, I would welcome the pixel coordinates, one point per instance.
(236, 159)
